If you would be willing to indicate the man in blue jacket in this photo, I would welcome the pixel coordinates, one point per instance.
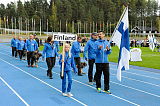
(75, 50)
(90, 48)
(31, 46)
(14, 42)
(102, 64)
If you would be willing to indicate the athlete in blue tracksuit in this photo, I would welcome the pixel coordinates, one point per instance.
(21, 47)
(102, 64)
(56, 43)
(14, 42)
(31, 46)
(50, 52)
(90, 48)
(68, 65)
(75, 50)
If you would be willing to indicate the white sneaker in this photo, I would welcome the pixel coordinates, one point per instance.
(70, 94)
(90, 83)
(64, 94)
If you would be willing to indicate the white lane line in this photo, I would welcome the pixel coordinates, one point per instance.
(134, 89)
(90, 86)
(138, 74)
(130, 72)
(129, 78)
(142, 70)
(111, 64)
(42, 81)
(14, 92)
(95, 89)
(157, 85)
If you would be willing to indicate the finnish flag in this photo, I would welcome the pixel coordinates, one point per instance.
(152, 42)
(121, 39)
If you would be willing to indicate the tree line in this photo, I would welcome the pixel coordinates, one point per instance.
(77, 15)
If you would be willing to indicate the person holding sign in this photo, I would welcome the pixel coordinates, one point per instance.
(102, 64)
(68, 65)
(50, 51)
(75, 50)
(90, 48)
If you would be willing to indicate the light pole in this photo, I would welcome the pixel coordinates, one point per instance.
(40, 27)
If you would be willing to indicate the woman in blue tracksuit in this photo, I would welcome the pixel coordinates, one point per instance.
(14, 42)
(20, 47)
(90, 48)
(102, 64)
(50, 52)
(68, 65)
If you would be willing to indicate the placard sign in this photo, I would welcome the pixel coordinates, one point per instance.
(64, 37)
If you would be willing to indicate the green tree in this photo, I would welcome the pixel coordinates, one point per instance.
(158, 23)
(20, 10)
(53, 17)
(2, 10)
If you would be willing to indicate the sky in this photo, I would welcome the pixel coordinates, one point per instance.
(8, 1)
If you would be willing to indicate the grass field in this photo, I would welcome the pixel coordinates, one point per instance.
(149, 59)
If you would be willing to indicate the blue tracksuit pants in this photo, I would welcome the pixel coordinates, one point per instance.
(69, 74)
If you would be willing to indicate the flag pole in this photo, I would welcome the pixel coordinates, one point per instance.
(118, 23)
(5, 24)
(26, 25)
(84, 27)
(47, 27)
(12, 25)
(0, 25)
(100, 26)
(60, 26)
(40, 28)
(72, 26)
(15, 25)
(66, 25)
(63, 57)
(19, 25)
(79, 28)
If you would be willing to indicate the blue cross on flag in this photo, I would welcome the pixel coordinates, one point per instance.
(121, 38)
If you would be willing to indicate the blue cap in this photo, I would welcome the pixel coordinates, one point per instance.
(94, 33)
